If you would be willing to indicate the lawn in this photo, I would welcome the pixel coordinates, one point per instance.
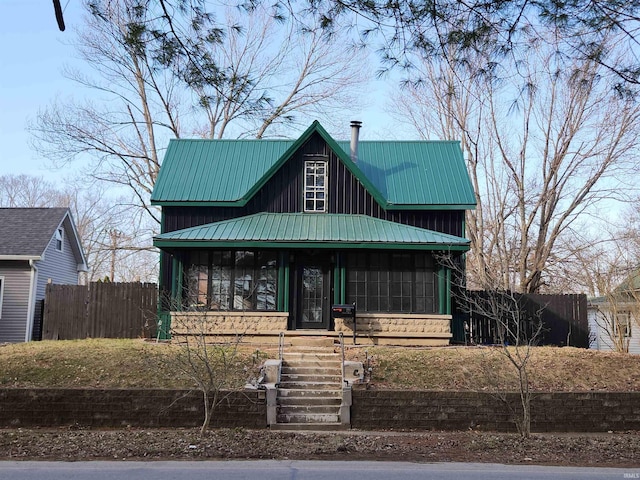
(138, 364)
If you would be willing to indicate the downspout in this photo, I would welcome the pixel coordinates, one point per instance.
(33, 285)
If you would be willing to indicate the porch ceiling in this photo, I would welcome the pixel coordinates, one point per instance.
(300, 230)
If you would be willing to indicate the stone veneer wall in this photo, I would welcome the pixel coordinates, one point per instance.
(229, 323)
(382, 328)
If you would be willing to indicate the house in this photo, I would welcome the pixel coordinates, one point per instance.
(614, 319)
(37, 246)
(264, 236)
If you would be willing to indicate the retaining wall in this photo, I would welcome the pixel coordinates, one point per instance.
(371, 410)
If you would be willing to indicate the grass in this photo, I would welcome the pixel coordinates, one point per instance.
(138, 364)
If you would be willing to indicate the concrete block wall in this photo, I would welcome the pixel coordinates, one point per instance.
(120, 408)
(551, 412)
(370, 410)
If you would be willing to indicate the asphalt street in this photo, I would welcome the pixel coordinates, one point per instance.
(295, 470)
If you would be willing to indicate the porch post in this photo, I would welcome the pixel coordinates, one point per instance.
(448, 298)
(176, 284)
(286, 285)
(281, 285)
(441, 291)
(343, 281)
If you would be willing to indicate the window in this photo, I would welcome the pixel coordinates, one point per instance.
(231, 280)
(1, 294)
(315, 186)
(59, 239)
(622, 324)
(392, 282)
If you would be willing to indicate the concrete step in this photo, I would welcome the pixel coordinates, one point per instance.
(311, 377)
(323, 427)
(308, 341)
(314, 355)
(308, 393)
(308, 418)
(308, 400)
(287, 384)
(305, 370)
(308, 410)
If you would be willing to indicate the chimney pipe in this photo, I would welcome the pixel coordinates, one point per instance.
(355, 132)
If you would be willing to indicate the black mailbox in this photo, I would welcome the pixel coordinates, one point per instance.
(346, 310)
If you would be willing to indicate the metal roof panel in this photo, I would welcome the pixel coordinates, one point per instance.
(306, 227)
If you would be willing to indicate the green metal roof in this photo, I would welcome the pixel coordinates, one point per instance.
(310, 231)
(398, 174)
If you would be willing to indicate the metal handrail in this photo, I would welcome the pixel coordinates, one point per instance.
(281, 345)
(341, 338)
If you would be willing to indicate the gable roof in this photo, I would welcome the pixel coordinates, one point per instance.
(25, 233)
(398, 174)
(310, 231)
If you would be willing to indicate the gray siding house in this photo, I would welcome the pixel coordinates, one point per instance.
(37, 246)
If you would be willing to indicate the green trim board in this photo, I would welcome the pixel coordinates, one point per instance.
(299, 230)
(398, 174)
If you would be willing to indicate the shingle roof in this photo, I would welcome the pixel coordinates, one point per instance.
(28, 231)
(417, 174)
(317, 230)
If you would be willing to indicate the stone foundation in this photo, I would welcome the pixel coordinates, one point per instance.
(398, 329)
(229, 323)
(264, 327)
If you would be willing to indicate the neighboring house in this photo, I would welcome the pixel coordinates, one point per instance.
(266, 235)
(37, 246)
(614, 319)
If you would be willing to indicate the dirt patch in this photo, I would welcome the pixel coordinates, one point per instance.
(613, 449)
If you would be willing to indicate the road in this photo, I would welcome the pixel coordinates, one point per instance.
(298, 470)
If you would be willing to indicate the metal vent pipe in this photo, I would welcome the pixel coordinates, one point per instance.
(355, 133)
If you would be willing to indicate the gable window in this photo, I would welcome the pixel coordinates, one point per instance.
(315, 186)
(59, 239)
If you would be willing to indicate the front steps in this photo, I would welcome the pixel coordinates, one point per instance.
(310, 392)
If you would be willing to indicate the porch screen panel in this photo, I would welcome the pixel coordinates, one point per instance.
(197, 284)
(221, 273)
(392, 282)
(232, 280)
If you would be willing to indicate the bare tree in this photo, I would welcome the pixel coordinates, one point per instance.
(162, 71)
(540, 162)
(206, 353)
(95, 214)
(517, 325)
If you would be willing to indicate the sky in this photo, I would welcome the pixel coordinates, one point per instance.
(33, 53)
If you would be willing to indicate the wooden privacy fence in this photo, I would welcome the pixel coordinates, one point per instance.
(100, 310)
(563, 318)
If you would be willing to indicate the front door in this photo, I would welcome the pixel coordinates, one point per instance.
(312, 294)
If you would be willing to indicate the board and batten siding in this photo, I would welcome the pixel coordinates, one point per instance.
(15, 301)
(599, 338)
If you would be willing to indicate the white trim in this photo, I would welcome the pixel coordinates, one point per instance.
(32, 301)
(83, 264)
(313, 189)
(20, 257)
(59, 233)
(1, 293)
